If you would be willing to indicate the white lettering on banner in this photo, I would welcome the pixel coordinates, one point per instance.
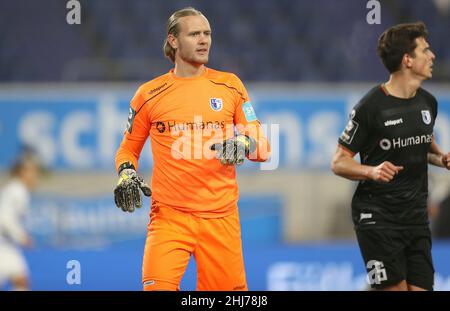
(85, 223)
(322, 129)
(111, 122)
(50, 139)
(320, 276)
(35, 130)
(297, 276)
(88, 138)
(291, 130)
(273, 136)
(74, 125)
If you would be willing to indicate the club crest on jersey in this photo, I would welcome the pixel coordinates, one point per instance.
(216, 104)
(426, 116)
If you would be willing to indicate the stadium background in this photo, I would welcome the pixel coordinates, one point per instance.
(65, 89)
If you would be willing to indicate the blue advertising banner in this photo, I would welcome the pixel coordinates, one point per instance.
(104, 246)
(96, 222)
(322, 266)
(83, 132)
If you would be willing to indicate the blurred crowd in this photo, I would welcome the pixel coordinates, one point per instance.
(260, 40)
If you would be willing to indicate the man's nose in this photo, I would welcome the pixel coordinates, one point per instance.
(203, 39)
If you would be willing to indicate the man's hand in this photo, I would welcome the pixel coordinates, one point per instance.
(234, 150)
(446, 160)
(384, 172)
(127, 195)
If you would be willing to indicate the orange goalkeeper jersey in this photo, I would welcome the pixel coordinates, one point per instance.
(184, 117)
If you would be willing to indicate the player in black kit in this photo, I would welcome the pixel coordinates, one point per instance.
(392, 130)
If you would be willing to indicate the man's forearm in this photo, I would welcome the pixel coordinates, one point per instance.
(435, 154)
(348, 168)
(435, 159)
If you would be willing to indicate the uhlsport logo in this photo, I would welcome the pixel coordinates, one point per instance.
(216, 104)
(393, 122)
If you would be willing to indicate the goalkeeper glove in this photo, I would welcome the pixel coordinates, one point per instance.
(127, 195)
(234, 150)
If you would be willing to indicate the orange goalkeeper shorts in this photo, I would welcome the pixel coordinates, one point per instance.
(173, 236)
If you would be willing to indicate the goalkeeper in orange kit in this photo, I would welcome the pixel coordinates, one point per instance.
(201, 124)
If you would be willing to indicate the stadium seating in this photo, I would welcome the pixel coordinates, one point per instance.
(260, 40)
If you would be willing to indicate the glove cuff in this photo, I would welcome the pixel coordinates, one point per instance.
(125, 165)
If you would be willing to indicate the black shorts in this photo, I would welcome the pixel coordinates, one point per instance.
(394, 255)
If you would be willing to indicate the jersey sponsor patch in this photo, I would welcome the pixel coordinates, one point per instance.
(131, 115)
(216, 104)
(249, 112)
(349, 131)
(426, 116)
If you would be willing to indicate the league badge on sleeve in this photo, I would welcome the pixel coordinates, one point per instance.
(426, 116)
(131, 115)
(216, 104)
(349, 131)
(249, 112)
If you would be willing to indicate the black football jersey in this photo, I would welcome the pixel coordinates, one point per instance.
(386, 128)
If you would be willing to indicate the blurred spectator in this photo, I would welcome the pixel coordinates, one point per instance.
(439, 207)
(317, 40)
(443, 6)
(441, 224)
(14, 206)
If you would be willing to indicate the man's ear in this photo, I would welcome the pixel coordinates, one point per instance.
(407, 60)
(173, 41)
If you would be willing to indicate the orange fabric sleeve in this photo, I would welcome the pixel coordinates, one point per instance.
(136, 133)
(247, 124)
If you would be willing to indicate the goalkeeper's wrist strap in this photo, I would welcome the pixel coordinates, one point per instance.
(125, 165)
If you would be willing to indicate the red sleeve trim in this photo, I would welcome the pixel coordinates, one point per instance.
(346, 150)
